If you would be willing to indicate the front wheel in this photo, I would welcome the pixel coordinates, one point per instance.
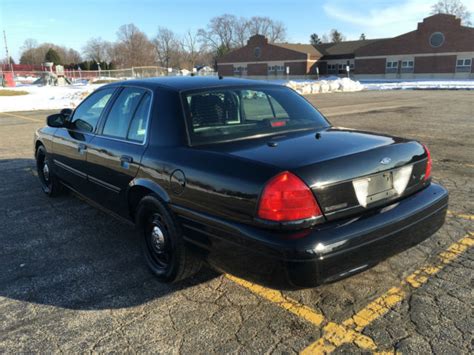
(162, 242)
(50, 184)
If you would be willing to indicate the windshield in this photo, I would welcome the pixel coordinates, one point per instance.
(225, 114)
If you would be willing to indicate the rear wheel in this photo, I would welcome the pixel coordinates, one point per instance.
(163, 246)
(50, 184)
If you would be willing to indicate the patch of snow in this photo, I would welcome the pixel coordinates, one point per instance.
(333, 84)
(419, 84)
(46, 97)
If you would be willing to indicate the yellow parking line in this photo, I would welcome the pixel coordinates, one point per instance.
(469, 217)
(339, 334)
(335, 337)
(20, 116)
(284, 302)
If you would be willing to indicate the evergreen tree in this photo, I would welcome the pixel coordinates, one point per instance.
(362, 37)
(336, 36)
(52, 56)
(315, 40)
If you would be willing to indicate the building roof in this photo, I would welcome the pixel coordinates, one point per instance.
(299, 47)
(341, 49)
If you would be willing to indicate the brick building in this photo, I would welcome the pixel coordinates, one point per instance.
(440, 47)
(260, 58)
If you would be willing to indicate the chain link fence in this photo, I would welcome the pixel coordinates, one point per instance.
(74, 75)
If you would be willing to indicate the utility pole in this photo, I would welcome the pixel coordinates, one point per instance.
(6, 50)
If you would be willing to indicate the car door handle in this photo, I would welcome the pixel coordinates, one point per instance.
(81, 148)
(125, 161)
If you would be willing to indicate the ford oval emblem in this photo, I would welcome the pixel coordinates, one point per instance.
(385, 161)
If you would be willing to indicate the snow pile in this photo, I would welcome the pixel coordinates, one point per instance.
(325, 86)
(421, 84)
(45, 97)
(25, 79)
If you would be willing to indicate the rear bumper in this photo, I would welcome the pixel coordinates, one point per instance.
(327, 252)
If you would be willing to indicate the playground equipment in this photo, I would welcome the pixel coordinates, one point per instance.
(51, 78)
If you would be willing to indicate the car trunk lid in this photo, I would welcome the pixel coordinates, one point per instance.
(348, 171)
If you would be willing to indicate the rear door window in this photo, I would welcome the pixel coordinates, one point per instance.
(138, 126)
(123, 110)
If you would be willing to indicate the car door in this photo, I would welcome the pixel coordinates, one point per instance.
(114, 154)
(70, 143)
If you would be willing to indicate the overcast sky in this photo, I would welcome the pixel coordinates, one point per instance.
(71, 23)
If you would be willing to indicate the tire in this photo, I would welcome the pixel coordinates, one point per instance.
(162, 242)
(50, 184)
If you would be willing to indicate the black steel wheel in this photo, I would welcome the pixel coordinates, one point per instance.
(50, 184)
(163, 246)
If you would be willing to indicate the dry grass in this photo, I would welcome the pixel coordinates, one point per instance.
(4, 92)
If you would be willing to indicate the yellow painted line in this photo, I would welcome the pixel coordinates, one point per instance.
(338, 334)
(279, 299)
(469, 217)
(334, 337)
(20, 116)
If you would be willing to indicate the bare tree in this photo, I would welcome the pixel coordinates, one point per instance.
(97, 50)
(133, 47)
(241, 32)
(167, 48)
(71, 56)
(191, 48)
(34, 53)
(226, 32)
(452, 7)
(275, 31)
(219, 35)
(29, 53)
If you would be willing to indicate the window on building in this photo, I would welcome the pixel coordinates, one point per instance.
(392, 64)
(463, 65)
(408, 64)
(436, 39)
(464, 62)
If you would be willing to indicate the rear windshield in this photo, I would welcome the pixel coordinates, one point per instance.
(225, 114)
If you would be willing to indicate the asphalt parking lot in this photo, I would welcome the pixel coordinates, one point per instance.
(73, 280)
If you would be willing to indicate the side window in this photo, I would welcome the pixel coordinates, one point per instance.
(256, 105)
(119, 117)
(139, 122)
(280, 112)
(88, 113)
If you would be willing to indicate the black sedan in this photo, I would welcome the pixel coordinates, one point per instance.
(246, 176)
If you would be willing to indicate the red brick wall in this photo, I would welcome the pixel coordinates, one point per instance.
(435, 64)
(298, 68)
(457, 39)
(225, 69)
(370, 66)
(257, 69)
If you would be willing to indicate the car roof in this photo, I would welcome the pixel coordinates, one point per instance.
(184, 83)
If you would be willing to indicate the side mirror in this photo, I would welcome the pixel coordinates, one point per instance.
(66, 111)
(56, 120)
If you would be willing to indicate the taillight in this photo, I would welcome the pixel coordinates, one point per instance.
(286, 198)
(429, 163)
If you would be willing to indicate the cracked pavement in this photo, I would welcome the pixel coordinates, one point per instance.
(73, 280)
